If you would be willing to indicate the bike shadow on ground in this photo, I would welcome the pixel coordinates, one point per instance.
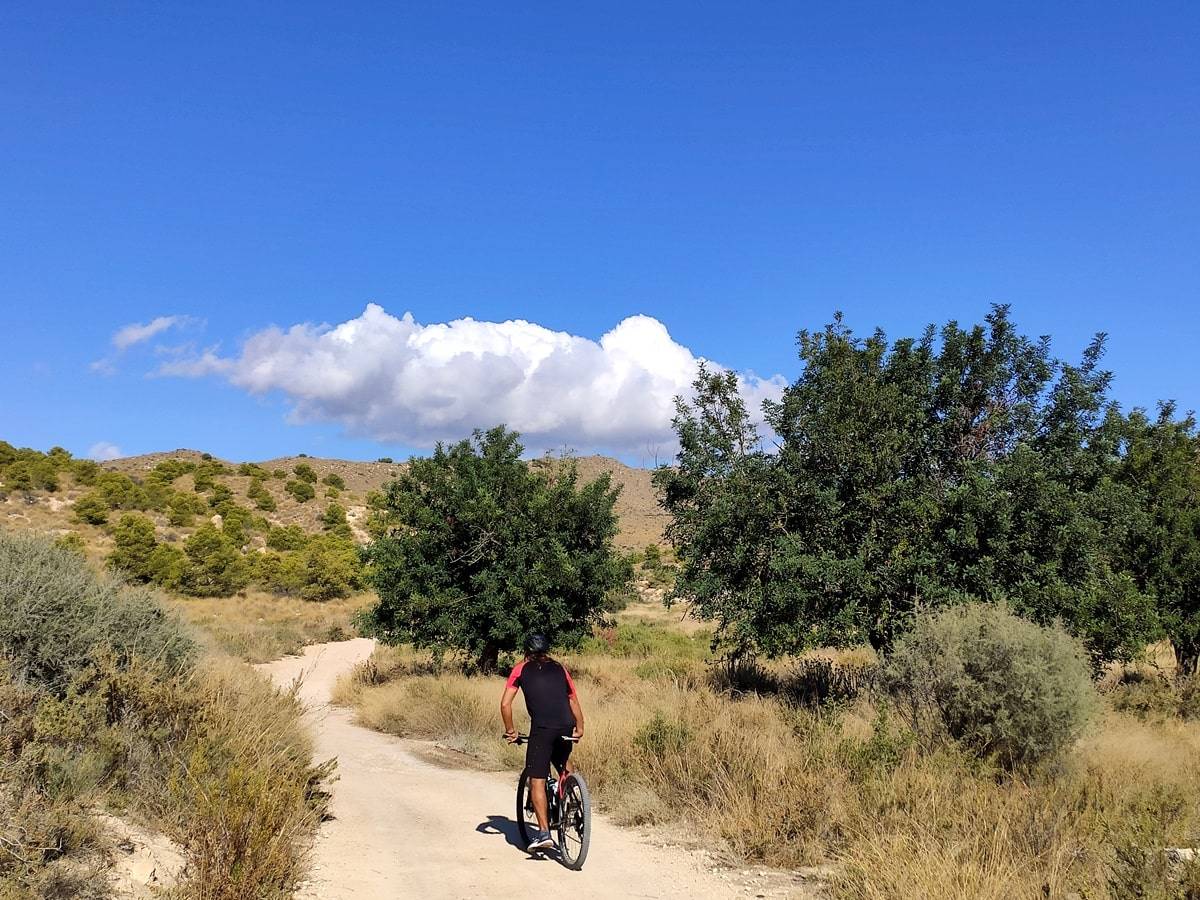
(507, 827)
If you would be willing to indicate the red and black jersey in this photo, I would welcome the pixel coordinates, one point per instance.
(548, 687)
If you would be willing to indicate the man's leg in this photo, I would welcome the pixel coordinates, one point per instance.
(537, 793)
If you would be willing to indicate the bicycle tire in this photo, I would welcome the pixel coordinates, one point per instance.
(524, 824)
(576, 815)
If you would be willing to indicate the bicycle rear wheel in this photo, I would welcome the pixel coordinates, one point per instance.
(575, 827)
(526, 819)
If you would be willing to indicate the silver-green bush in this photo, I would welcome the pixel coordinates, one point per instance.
(1002, 687)
(56, 614)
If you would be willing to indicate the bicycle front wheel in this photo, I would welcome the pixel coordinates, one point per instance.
(575, 827)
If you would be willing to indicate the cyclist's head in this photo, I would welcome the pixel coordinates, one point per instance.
(536, 644)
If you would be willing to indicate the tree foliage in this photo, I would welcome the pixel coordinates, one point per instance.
(474, 549)
(965, 465)
(301, 490)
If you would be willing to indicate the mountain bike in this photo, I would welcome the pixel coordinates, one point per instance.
(568, 809)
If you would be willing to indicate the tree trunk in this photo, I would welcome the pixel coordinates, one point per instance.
(488, 658)
(1187, 656)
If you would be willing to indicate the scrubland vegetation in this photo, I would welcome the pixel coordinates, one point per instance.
(107, 705)
(675, 739)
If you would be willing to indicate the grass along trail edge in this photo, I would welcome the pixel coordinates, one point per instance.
(400, 824)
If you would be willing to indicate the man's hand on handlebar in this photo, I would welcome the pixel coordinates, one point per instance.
(577, 732)
(511, 736)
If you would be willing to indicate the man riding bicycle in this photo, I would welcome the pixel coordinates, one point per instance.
(554, 713)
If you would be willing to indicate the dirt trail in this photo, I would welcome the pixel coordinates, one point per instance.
(403, 827)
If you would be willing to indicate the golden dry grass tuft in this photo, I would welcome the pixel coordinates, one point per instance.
(258, 627)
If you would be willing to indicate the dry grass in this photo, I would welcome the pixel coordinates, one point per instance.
(792, 786)
(258, 627)
(103, 706)
(243, 795)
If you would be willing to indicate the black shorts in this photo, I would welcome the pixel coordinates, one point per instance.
(546, 745)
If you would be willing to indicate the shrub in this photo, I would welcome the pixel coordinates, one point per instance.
(385, 459)
(219, 493)
(1144, 694)
(262, 498)
(166, 566)
(253, 470)
(120, 491)
(91, 509)
(133, 545)
(301, 490)
(334, 519)
(1000, 686)
(235, 522)
(85, 471)
(279, 474)
(661, 737)
(287, 537)
(170, 469)
(55, 614)
(72, 541)
(332, 568)
(305, 473)
(334, 480)
(214, 568)
(183, 508)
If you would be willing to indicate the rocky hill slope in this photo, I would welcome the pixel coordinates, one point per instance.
(640, 518)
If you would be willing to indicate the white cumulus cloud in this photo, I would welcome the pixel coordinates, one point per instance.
(398, 381)
(103, 451)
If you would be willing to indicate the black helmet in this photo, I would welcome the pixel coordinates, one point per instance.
(536, 643)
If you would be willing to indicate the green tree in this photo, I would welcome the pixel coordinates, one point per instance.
(287, 537)
(166, 566)
(283, 573)
(334, 520)
(182, 508)
(966, 465)
(475, 550)
(213, 568)
(91, 508)
(334, 480)
(133, 544)
(262, 497)
(305, 473)
(236, 522)
(220, 493)
(1161, 465)
(301, 490)
(120, 491)
(332, 568)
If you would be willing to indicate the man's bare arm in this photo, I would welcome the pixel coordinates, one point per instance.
(506, 702)
(577, 712)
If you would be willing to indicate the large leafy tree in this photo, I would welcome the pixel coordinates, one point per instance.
(1160, 463)
(967, 464)
(474, 549)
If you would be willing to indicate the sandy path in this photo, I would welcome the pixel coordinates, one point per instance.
(403, 827)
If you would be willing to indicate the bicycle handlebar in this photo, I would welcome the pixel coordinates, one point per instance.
(524, 738)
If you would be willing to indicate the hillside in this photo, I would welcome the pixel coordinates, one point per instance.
(53, 511)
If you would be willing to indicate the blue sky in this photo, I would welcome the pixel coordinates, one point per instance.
(732, 171)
